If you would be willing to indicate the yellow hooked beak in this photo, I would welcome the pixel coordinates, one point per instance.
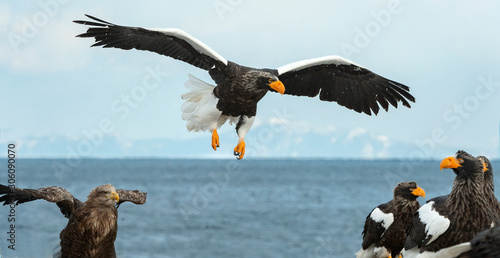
(485, 167)
(114, 196)
(277, 86)
(418, 192)
(450, 162)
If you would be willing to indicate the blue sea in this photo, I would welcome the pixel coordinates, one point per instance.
(221, 208)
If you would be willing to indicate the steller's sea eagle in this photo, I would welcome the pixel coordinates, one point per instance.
(455, 218)
(92, 225)
(239, 88)
(384, 233)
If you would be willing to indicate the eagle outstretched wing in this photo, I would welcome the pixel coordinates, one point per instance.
(333, 78)
(134, 196)
(173, 43)
(62, 197)
(337, 79)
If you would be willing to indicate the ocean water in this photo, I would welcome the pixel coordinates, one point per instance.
(221, 208)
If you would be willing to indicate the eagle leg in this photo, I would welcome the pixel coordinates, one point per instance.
(239, 150)
(215, 139)
(242, 127)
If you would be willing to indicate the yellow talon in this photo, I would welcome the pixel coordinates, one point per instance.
(215, 139)
(239, 150)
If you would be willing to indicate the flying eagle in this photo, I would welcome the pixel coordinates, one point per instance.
(385, 227)
(239, 88)
(455, 218)
(92, 225)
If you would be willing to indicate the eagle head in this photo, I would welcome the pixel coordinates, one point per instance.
(104, 195)
(269, 81)
(408, 190)
(463, 164)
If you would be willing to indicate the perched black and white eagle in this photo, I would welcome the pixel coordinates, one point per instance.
(92, 225)
(240, 88)
(455, 218)
(385, 227)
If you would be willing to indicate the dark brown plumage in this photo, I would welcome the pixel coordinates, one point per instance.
(486, 244)
(489, 189)
(385, 227)
(240, 88)
(456, 218)
(240, 97)
(92, 225)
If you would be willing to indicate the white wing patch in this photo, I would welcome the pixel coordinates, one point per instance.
(435, 224)
(197, 44)
(337, 60)
(380, 217)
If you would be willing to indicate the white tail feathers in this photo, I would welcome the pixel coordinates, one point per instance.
(372, 252)
(200, 109)
(368, 253)
(452, 251)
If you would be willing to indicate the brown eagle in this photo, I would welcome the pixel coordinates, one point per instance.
(240, 88)
(92, 225)
(385, 227)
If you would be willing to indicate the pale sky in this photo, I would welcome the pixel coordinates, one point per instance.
(55, 87)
